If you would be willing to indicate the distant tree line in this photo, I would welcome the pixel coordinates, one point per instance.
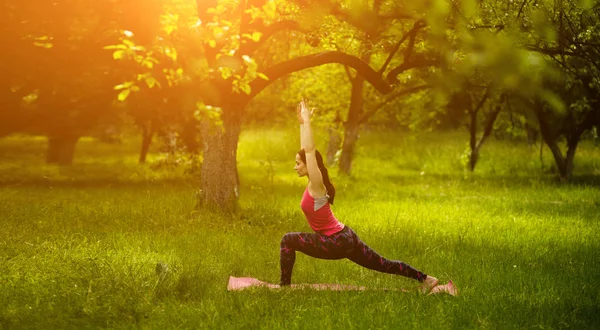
(201, 69)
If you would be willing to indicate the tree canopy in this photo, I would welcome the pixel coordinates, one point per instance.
(74, 67)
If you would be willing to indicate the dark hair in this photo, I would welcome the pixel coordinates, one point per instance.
(328, 185)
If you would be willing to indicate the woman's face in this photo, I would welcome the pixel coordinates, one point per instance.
(300, 166)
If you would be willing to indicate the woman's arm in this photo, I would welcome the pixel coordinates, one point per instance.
(298, 111)
(316, 186)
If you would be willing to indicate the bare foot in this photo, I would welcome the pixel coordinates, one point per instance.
(429, 283)
(452, 289)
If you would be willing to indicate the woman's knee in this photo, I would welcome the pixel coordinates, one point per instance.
(288, 239)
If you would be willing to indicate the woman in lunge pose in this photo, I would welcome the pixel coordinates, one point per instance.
(332, 239)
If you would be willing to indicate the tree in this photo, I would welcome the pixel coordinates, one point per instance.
(59, 81)
(357, 116)
(237, 33)
(487, 64)
(569, 104)
(160, 70)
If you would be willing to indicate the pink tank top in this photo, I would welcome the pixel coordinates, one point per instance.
(322, 220)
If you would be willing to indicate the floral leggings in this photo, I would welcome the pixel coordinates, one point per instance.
(343, 244)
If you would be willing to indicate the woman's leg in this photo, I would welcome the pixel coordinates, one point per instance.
(314, 245)
(367, 257)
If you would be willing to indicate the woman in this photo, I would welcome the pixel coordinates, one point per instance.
(332, 239)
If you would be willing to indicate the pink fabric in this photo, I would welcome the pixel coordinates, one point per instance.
(241, 283)
(322, 220)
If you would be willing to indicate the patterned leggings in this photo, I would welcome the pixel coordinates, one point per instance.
(343, 244)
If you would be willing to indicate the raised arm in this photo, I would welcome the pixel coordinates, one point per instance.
(298, 113)
(316, 187)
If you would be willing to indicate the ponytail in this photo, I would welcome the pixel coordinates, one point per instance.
(326, 181)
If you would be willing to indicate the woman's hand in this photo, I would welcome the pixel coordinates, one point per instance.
(298, 112)
(303, 112)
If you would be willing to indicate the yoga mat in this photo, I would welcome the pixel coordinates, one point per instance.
(241, 283)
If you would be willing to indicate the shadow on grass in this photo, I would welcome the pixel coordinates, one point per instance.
(556, 286)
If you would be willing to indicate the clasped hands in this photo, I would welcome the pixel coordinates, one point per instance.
(303, 112)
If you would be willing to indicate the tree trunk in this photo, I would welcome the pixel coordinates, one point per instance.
(147, 134)
(219, 187)
(549, 138)
(333, 145)
(352, 125)
(532, 135)
(474, 155)
(559, 160)
(564, 164)
(350, 138)
(487, 131)
(61, 149)
(572, 143)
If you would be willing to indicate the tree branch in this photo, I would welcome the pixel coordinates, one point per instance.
(421, 62)
(368, 21)
(348, 73)
(304, 62)
(549, 51)
(267, 32)
(390, 97)
(418, 25)
(496, 26)
(482, 101)
(489, 125)
(411, 46)
(521, 9)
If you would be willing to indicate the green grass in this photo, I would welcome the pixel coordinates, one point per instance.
(79, 246)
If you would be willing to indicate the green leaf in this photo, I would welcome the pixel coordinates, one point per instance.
(119, 54)
(171, 53)
(148, 64)
(225, 72)
(124, 85)
(123, 95)
(169, 29)
(270, 9)
(46, 45)
(128, 43)
(246, 88)
(30, 98)
(151, 82)
(256, 36)
(115, 47)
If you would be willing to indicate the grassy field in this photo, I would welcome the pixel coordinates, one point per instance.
(79, 246)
